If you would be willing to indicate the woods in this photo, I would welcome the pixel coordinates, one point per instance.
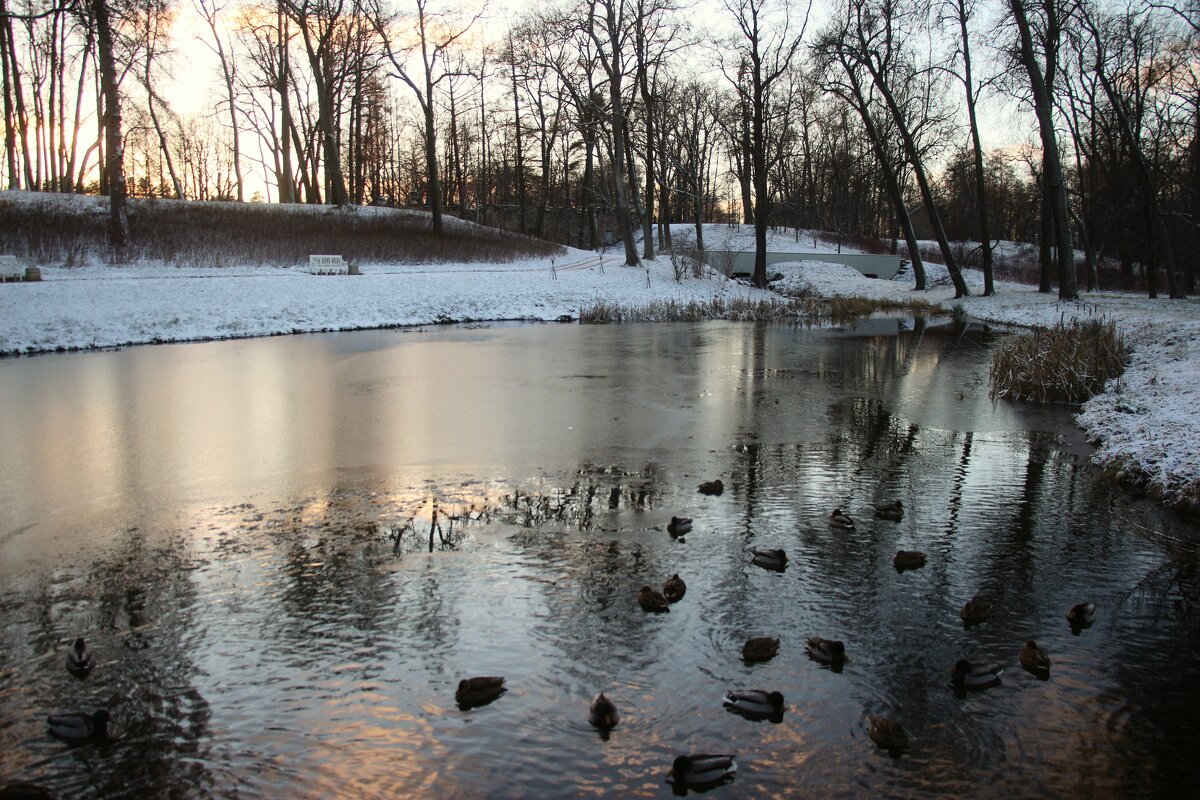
(1073, 125)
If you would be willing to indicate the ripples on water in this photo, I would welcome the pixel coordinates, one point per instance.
(305, 638)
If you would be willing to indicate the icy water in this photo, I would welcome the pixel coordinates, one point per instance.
(286, 552)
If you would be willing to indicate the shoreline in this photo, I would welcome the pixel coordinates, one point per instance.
(1146, 424)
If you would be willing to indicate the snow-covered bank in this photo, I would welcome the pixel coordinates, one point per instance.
(1147, 424)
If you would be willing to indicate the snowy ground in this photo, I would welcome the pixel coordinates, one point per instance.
(1147, 423)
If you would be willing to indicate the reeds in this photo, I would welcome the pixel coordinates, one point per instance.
(805, 309)
(1063, 364)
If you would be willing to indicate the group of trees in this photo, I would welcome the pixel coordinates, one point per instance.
(580, 118)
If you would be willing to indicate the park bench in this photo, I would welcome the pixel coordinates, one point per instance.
(330, 265)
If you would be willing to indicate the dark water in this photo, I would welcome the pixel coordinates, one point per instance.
(286, 553)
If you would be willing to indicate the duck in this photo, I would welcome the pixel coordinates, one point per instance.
(965, 675)
(650, 600)
(674, 588)
(1033, 658)
(479, 691)
(1081, 615)
(679, 526)
(886, 733)
(975, 610)
(893, 510)
(754, 703)
(908, 559)
(760, 648)
(767, 558)
(840, 520)
(701, 770)
(79, 659)
(603, 712)
(827, 651)
(79, 727)
(711, 487)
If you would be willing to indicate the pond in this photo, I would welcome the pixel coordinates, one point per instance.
(286, 552)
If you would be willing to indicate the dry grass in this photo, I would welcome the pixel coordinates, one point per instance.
(223, 234)
(807, 310)
(1064, 364)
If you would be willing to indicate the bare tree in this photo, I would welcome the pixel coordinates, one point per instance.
(211, 10)
(1053, 181)
(429, 41)
(770, 41)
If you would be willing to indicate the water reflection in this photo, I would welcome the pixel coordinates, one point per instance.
(288, 552)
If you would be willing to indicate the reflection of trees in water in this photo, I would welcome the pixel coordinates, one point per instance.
(135, 607)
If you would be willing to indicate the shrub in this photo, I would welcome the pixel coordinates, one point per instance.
(1066, 363)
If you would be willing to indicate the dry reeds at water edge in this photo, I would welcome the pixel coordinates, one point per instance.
(1063, 364)
(807, 309)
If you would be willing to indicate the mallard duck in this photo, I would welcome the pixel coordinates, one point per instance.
(79, 659)
(1034, 658)
(479, 691)
(674, 588)
(827, 651)
(711, 487)
(966, 675)
(679, 526)
(701, 770)
(840, 520)
(886, 733)
(893, 510)
(760, 648)
(603, 713)
(754, 703)
(650, 600)
(79, 727)
(975, 610)
(1081, 615)
(908, 559)
(770, 558)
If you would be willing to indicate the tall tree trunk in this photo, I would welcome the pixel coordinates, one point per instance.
(10, 120)
(286, 181)
(118, 219)
(981, 201)
(611, 62)
(1053, 174)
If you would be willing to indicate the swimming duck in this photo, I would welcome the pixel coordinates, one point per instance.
(966, 675)
(754, 703)
(674, 589)
(711, 487)
(1081, 615)
(975, 610)
(827, 651)
(651, 600)
(839, 520)
(603, 713)
(679, 526)
(79, 659)
(886, 733)
(908, 559)
(79, 727)
(770, 558)
(760, 648)
(893, 510)
(701, 770)
(479, 691)
(1034, 658)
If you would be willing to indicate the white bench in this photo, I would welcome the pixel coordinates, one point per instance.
(330, 265)
(11, 269)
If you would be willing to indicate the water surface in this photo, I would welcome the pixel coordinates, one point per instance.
(288, 551)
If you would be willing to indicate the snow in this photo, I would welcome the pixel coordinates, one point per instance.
(1146, 423)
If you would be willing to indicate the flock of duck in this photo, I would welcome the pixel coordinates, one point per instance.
(704, 770)
(697, 770)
